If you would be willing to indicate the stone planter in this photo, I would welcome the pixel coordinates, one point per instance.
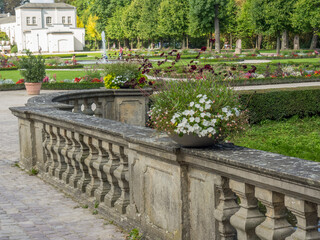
(33, 88)
(193, 140)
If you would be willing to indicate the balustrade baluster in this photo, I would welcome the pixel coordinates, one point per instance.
(72, 155)
(226, 208)
(104, 186)
(77, 106)
(307, 219)
(53, 154)
(87, 103)
(275, 226)
(98, 110)
(92, 157)
(80, 157)
(248, 217)
(65, 152)
(120, 173)
(109, 168)
(46, 147)
(60, 144)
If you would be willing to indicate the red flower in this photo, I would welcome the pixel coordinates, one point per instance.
(204, 49)
(76, 80)
(95, 80)
(21, 81)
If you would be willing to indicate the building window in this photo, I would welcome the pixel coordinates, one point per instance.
(69, 20)
(48, 20)
(34, 21)
(28, 21)
(63, 20)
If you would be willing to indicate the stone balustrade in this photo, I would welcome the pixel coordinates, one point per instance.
(141, 179)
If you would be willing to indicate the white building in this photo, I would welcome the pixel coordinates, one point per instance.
(46, 26)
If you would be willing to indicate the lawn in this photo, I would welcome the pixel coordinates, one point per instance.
(293, 137)
(300, 60)
(61, 75)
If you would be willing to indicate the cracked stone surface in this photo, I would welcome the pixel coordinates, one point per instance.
(30, 208)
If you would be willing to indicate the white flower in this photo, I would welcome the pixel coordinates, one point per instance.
(191, 119)
(202, 100)
(207, 106)
(204, 97)
(197, 105)
(201, 109)
(225, 109)
(191, 104)
(191, 112)
(197, 119)
(205, 123)
(208, 114)
(173, 120)
(202, 115)
(199, 96)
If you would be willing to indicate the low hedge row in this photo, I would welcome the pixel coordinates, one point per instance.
(276, 105)
(65, 67)
(54, 86)
(9, 69)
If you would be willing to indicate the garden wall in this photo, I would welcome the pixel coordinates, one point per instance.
(144, 180)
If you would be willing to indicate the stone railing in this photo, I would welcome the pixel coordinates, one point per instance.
(144, 180)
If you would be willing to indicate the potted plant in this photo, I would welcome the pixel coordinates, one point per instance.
(33, 70)
(197, 113)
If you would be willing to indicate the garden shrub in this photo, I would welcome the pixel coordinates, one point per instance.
(276, 105)
(71, 86)
(14, 49)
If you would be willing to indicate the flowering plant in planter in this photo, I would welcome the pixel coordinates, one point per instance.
(197, 107)
(32, 68)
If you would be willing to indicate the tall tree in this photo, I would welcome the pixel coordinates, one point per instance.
(10, 5)
(306, 18)
(173, 19)
(205, 17)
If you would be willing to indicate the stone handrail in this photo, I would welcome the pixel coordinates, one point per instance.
(141, 179)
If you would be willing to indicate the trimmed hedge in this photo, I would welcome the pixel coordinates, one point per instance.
(71, 86)
(9, 69)
(65, 67)
(276, 105)
(54, 86)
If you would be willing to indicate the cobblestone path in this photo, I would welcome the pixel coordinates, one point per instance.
(31, 209)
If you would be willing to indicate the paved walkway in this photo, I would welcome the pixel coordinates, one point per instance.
(31, 209)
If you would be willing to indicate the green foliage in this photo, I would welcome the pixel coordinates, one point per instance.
(70, 86)
(134, 235)
(3, 36)
(292, 137)
(276, 105)
(32, 68)
(65, 67)
(14, 49)
(33, 172)
(127, 70)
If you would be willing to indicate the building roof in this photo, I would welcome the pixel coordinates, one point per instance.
(45, 5)
(11, 19)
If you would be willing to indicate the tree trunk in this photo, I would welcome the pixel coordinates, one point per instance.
(259, 41)
(296, 42)
(131, 44)
(230, 40)
(314, 41)
(119, 43)
(138, 43)
(183, 42)
(208, 42)
(187, 42)
(278, 45)
(161, 43)
(108, 44)
(285, 40)
(217, 28)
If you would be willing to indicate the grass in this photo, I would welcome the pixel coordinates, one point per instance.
(293, 137)
(300, 60)
(61, 75)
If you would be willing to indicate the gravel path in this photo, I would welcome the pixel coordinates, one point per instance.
(31, 209)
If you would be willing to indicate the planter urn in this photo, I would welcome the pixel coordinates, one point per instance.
(33, 88)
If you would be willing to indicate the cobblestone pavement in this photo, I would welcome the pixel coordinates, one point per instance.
(31, 209)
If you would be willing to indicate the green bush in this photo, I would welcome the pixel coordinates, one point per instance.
(14, 49)
(32, 68)
(276, 105)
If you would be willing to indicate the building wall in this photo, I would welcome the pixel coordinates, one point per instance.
(54, 37)
(9, 29)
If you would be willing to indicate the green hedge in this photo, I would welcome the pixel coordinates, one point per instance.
(71, 86)
(65, 67)
(54, 86)
(276, 105)
(9, 69)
